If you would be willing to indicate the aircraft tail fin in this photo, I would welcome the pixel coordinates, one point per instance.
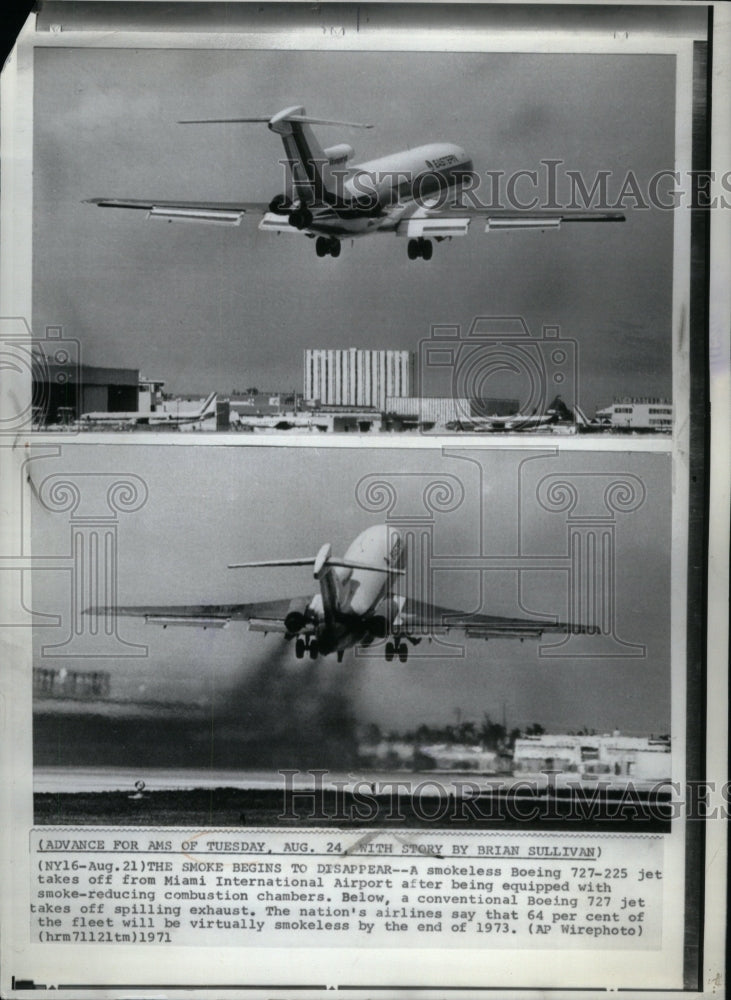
(581, 418)
(312, 177)
(208, 407)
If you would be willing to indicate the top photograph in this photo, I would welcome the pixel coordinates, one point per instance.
(268, 241)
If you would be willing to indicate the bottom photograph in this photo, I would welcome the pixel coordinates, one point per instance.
(264, 635)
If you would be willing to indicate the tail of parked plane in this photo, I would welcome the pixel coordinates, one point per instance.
(208, 407)
(309, 164)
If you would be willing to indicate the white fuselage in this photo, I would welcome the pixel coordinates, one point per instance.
(379, 192)
(358, 594)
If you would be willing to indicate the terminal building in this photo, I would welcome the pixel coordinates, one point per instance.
(645, 414)
(596, 756)
(358, 378)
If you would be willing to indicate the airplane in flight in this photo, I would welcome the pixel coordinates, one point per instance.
(421, 194)
(356, 604)
(158, 418)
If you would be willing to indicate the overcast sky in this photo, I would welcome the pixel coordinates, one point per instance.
(208, 506)
(210, 307)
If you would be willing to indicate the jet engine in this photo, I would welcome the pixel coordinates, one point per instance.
(338, 155)
(280, 204)
(297, 616)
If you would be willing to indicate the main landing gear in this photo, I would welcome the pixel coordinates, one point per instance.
(307, 645)
(420, 248)
(324, 246)
(398, 649)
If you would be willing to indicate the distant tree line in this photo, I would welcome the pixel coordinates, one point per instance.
(489, 734)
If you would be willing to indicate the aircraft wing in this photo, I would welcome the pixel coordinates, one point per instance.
(454, 219)
(262, 616)
(418, 616)
(223, 213)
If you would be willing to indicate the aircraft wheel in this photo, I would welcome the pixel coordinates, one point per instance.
(322, 246)
(403, 652)
(390, 651)
(313, 650)
(413, 249)
(299, 648)
(335, 248)
(427, 248)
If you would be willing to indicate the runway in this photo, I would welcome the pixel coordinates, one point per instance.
(85, 780)
(207, 799)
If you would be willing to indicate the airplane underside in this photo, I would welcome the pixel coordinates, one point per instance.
(313, 646)
(329, 228)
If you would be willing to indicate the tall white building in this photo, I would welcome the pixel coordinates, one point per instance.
(354, 377)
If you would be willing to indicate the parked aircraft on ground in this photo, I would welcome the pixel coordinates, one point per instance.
(421, 194)
(557, 412)
(356, 604)
(156, 418)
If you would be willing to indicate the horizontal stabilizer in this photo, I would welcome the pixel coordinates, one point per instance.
(310, 561)
(302, 119)
(351, 564)
(305, 561)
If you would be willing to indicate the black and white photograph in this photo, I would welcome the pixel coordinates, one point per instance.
(225, 613)
(363, 371)
(186, 239)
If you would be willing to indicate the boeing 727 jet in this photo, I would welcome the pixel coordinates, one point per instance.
(423, 194)
(356, 604)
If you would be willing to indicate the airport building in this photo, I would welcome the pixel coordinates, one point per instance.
(150, 395)
(354, 377)
(645, 414)
(62, 392)
(443, 412)
(640, 757)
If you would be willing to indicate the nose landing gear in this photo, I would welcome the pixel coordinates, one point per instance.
(420, 248)
(325, 246)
